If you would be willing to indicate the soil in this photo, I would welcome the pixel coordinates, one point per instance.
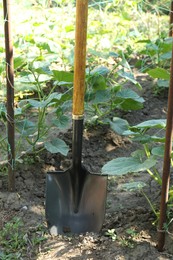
(128, 214)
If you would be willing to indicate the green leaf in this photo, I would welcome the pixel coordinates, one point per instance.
(128, 132)
(62, 122)
(166, 56)
(57, 146)
(102, 70)
(142, 138)
(3, 111)
(101, 96)
(2, 68)
(130, 77)
(155, 123)
(132, 186)
(35, 103)
(124, 165)
(53, 97)
(50, 46)
(119, 125)
(158, 151)
(69, 28)
(148, 138)
(158, 139)
(163, 83)
(63, 76)
(44, 103)
(19, 62)
(24, 88)
(99, 54)
(18, 112)
(26, 127)
(31, 79)
(130, 104)
(139, 154)
(41, 67)
(159, 73)
(98, 82)
(129, 94)
(128, 99)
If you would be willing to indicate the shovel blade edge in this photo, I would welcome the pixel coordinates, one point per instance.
(60, 215)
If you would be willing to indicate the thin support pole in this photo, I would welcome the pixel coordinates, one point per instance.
(171, 21)
(167, 153)
(10, 94)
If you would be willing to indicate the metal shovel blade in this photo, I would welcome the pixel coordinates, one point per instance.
(60, 214)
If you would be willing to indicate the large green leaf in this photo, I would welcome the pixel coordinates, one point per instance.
(31, 79)
(130, 77)
(57, 146)
(99, 54)
(163, 83)
(155, 123)
(101, 96)
(124, 165)
(19, 62)
(21, 88)
(42, 67)
(145, 138)
(50, 46)
(159, 73)
(128, 99)
(63, 76)
(130, 104)
(142, 138)
(62, 122)
(26, 127)
(53, 97)
(102, 70)
(98, 82)
(129, 94)
(44, 103)
(158, 151)
(119, 125)
(36, 103)
(166, 56)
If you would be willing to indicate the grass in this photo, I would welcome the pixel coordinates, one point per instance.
(17, 242)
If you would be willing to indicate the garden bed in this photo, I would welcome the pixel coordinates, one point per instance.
(128, 231)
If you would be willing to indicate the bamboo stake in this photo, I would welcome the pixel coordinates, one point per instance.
(171, 20)
(167, 153)
(10, 94)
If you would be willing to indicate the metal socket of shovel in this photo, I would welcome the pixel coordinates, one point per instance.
(75, 198)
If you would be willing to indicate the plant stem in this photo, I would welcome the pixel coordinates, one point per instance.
(150, 203)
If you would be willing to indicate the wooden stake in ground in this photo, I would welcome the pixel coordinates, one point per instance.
(167, 153)
(10, 94)
(171, 20)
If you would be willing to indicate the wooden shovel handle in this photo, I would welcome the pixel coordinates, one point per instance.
(80, 57)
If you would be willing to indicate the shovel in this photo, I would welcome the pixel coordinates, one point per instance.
(75, 198)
